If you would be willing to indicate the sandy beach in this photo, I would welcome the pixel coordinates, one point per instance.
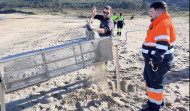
(21, 33)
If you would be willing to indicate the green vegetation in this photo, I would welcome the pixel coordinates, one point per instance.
(180, 14)
(82, 8)
(176, 5)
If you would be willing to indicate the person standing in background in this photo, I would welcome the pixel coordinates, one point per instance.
(114, 17)
(120, 22)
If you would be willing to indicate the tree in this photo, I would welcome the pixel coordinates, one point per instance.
(145, 5)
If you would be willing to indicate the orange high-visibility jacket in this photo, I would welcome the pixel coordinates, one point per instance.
(161, 37)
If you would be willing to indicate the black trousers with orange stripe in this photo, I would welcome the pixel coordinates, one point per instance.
(154, 83)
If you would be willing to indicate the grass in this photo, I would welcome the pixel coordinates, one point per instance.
(86, 13)
(183, 14)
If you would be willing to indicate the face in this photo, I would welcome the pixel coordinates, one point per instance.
(106, 13)
(153, 14)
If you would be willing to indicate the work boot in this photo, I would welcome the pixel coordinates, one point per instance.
(117, 33)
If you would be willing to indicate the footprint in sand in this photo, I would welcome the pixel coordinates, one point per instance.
(181, 108)
(57, 96)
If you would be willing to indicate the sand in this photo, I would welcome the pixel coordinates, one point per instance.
(21, 33)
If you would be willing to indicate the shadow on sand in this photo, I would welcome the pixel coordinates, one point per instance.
(175, 76)
(33, 99)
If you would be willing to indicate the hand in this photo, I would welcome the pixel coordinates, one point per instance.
(94, 10)
(150, 62)
(154, 68)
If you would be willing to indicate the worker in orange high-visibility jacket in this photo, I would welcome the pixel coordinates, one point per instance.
(158, 53)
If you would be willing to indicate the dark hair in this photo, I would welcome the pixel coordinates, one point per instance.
(120, 14)
(159, 5)
(107, 7)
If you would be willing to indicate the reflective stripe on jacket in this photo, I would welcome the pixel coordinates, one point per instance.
(120, 18)
(161, 37)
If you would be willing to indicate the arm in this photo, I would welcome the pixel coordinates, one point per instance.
(100, 30)
(162, 39)
(107, 29)
(94, 12)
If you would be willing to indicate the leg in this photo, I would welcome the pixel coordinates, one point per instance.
(117, 28)
(119, 31)
(154, 86)
(114, 24)
(121, 28)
